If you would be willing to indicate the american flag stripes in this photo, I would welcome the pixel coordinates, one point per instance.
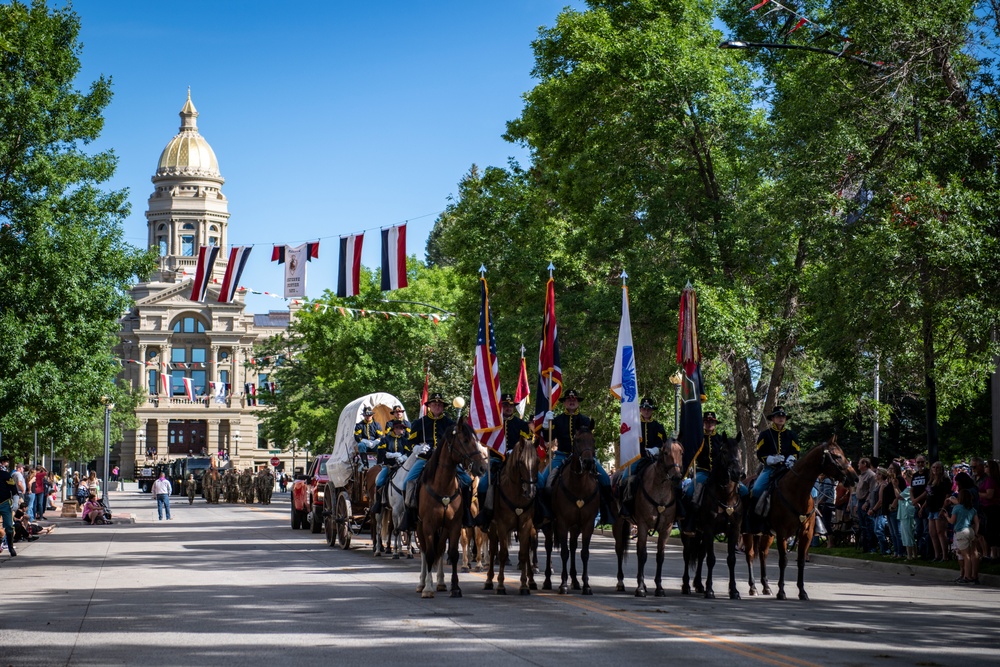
(484, 414)
(394, 258)
(238, 256)
(203, 274)
(349, 271)
(523, 392)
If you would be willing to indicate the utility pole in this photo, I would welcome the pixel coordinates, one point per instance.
(875, 448)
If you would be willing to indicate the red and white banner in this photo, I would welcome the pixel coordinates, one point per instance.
(203, 273)
(349, 272)
(189, 388)
(165, 381)
(394, 258)
(484, 415)
(423, 394)
(523, 393)
(238, 256)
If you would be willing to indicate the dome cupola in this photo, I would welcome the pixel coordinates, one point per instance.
(188, 154)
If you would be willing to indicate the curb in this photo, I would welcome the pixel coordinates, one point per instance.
(936, 574)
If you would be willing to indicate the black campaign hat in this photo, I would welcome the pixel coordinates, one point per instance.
(570, 394)
(436, 397)
(393, 423)
(647, 402)
(507, 398)
(779, 411)
(710, 416)
(366, 411)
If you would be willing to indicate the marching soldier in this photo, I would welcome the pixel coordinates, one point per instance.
(367, 433)
(393, 450)
(189, 488)
(564, 429)
(776, 447)
(514, 428)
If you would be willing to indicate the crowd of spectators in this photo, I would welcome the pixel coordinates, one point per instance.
(30, 492)
(912, 511)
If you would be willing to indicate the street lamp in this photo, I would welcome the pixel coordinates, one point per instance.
(677, 380)
(108, 407)
(737, 44)
(140, 437)
(236, 440)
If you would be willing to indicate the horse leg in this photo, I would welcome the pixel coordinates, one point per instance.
(782, 562)
(621, 543)
(573, 542)
(464, 542)
(504, 553)
(731, 538)
(708, 540)
(456, 591)
(453, 559)
(423, 584)
(488, 586)
(762, 549)
(524, 559)
(547, 584)
(640, 557)
(588, 532)
(749, 551)
(564, 552)
(661, 548)
(686, 553)
(804, 542)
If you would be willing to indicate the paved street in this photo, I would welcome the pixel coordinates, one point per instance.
(234, 585)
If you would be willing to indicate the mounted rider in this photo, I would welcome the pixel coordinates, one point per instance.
(367, 433)
(514, 428)
(565, 427)
(693, 492)
(393, 449)
(777, 448)
(429, 431)
(652, 438)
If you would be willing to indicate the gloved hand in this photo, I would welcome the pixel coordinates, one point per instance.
(773, 460)
(653, 451)
(549, 416)
(422, 449)
(790, 461)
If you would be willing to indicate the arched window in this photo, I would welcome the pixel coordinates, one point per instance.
(187, 225)
(187, 246)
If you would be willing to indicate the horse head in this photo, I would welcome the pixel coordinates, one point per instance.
(728, 467)
(465, 448)
(524, 460)
(837, 466)
(584, 450)
(670, 462)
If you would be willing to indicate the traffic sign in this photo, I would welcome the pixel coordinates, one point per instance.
(275, 461)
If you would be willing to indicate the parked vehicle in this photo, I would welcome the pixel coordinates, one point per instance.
(308, 496)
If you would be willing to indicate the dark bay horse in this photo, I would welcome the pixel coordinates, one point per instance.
(720, 511)
(575, 501)
(514, 510)
(794, 513)
(656, 498)
(439, 522)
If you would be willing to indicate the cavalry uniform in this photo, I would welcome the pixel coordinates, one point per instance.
(775, 447)
(367, 430)
(429, 430)
(653, 435)
(393, 444)
(392, 451)
(514, 428)
(564, 428)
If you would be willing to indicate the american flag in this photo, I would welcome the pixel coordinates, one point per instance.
(549, 371)
(523, 392)
(484, 414)
(692, 388)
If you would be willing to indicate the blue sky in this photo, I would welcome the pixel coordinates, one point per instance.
(326, 117)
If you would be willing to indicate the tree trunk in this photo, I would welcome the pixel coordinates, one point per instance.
(930, 385)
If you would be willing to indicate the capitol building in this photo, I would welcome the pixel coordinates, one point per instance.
(207, 342)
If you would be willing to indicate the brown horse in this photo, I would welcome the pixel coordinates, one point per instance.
(720, 511)
(380, 522)
(439, 512)
(514, 509)
(575, 501)
(655, 509)
(793, 513)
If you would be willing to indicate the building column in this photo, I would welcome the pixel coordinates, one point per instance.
(162, 444)
(143, 372)
(214, 375)
(212, 436)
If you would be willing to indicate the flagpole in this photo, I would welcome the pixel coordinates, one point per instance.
(547, 445)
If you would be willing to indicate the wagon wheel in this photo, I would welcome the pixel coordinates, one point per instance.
(329, 521)
(342, 515)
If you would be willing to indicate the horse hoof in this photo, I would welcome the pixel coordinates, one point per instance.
(640, 592)
(488, 586)
(547, 586)
(501, 590)
(660, 593)
(685, 590)
(709, 595)
(409, 556)
(753, 592)
(766, 591)
(563, 590)
(734, 595)
(442, 588)
(464, 569)
(427, 594)
(533, 586)
(576, 585)
(699, 589)
(525, 591)
(378, 554)
(781, 596)
(620, 588)
(395, 556)
(803, 595)
(587, 590)
(457, 593)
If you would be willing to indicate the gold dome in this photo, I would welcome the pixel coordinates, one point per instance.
(188, 153)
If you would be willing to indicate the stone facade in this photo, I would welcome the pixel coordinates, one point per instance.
(206, 342)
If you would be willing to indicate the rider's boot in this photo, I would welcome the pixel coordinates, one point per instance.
(607, 502)
(486, 508)
(688, 519)
(467, 520)
(377, 505)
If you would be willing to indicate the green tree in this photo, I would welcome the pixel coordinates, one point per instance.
(64, 265)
